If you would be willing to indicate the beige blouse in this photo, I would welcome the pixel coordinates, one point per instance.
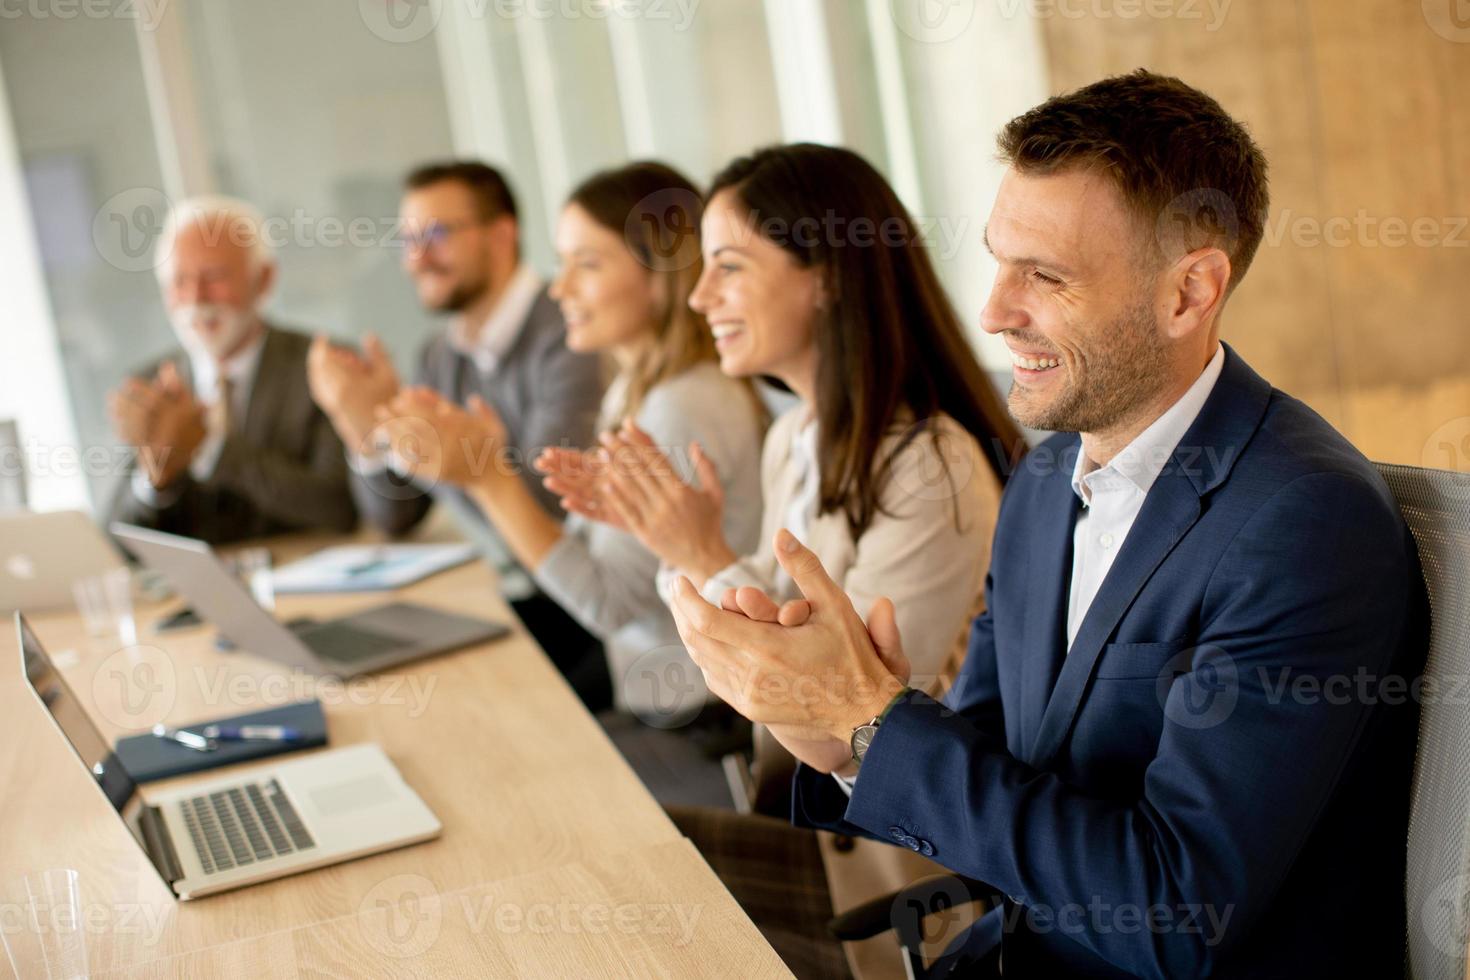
(927, 549)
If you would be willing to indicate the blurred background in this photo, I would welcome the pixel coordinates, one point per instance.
(110, 109)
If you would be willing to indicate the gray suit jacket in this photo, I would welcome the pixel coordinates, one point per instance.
(282, 470)
(546, 394)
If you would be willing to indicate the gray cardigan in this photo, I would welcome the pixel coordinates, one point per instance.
(606, 579)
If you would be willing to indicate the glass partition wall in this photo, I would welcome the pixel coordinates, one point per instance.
(314, 112)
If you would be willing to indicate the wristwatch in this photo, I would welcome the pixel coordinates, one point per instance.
(862, 737)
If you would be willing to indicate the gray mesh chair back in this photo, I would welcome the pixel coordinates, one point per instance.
(1436, 505)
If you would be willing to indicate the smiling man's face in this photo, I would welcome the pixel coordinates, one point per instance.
(1075, 299)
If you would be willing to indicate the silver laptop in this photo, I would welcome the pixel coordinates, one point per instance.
(374, 639)
(325, 808)
(41, 555)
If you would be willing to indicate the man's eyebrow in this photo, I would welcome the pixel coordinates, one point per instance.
(1024, 259)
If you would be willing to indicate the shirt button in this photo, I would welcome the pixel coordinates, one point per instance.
(1106, 540)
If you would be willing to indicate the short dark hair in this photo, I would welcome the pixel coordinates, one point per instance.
(1190, 171)
(492, 193)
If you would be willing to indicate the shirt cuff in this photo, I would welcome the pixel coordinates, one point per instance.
(732, 576)
(847, 783)
(366, 465)
(150, 496)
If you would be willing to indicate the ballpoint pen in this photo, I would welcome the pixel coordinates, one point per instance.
(251, 733)
(199, 743)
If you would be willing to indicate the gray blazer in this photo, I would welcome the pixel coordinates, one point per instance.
(546, 395)
(282, 470)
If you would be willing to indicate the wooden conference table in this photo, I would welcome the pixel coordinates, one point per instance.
(554, 861)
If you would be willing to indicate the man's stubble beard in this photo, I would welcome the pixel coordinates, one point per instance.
(1120, 378)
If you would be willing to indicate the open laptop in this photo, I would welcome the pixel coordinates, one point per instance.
(212, 836)
(41, 555)
(374, 639)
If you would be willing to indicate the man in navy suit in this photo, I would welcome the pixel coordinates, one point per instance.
(1182, 739)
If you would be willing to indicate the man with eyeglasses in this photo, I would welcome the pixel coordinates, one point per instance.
(504, 343)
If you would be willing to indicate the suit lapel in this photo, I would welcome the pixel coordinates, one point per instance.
(1048, 583)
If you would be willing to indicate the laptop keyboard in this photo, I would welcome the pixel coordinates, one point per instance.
(339, 641)
(244, 824)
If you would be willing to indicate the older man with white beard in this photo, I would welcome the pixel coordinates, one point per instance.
(229, 443)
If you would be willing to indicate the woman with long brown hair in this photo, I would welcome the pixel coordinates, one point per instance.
(889, 469)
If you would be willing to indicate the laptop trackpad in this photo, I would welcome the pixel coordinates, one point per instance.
(351, 795)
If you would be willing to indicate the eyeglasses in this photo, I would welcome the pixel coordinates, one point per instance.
(434, 234)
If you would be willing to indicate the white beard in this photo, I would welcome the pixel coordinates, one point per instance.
(211, 329)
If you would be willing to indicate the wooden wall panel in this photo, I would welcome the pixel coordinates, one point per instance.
(1360, 107)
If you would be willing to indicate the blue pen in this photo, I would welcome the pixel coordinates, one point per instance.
(252, 733)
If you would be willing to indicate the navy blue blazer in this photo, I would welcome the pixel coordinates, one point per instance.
(1215, 780)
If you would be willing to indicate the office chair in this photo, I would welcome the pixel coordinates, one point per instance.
(1436, 507)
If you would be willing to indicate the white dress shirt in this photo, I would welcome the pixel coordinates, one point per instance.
(801, 511)
(204, 378)
(1112, 495)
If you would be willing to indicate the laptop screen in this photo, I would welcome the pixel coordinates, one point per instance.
(88, 743)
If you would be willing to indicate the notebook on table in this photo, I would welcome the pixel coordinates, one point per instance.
(148, 757)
